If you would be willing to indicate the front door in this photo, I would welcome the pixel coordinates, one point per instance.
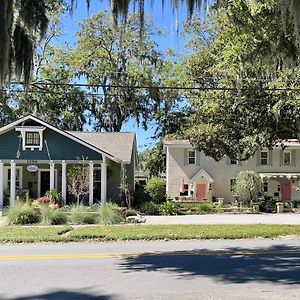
(200, 191)
(45, 182)
(286, 190)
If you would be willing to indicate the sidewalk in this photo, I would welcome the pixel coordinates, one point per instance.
(286, 218)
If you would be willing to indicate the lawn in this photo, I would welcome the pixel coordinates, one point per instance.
(14, 234)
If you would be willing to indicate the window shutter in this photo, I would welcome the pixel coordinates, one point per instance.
(227, 161)
(258, 158)
(293, 158)
(197, 157)
(281, 157)
(240, 163)
(270, 157)
(186, 157)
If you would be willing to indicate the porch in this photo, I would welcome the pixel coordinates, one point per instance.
(281, 186)
(39, 176)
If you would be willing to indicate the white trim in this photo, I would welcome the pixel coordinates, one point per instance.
(188, 158)
(62, 132)
(64, 182)
(34, 129)
(286, 151)
(91, 183)
(12, 183)
(103, 183)
(39, 179)
(268, 157)
(202, 174)
(52, 175)
(6, 179)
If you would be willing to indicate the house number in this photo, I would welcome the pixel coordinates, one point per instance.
(31, 161)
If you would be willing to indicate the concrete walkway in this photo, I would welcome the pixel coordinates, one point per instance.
(286, 218)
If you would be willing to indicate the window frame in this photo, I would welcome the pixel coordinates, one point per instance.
(35, 137)
(19, 169)
(290, 156)
(31, 129)
(264, 158)
(191, 157)
(186, 191)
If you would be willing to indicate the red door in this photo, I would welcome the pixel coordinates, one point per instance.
(200, 191)
(286, 190)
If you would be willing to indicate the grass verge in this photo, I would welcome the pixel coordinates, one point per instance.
(15, 234)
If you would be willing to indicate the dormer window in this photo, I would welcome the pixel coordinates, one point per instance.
(32, 137)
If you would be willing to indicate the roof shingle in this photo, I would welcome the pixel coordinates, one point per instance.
(118, 144)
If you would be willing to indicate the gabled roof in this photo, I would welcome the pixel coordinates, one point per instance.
(119, 144)
(202, 174)
(116, 146)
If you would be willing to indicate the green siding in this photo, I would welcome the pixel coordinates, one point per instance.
(60, 148)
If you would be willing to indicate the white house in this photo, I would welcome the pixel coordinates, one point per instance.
(205, 178)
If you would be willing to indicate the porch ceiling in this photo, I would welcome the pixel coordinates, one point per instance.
(280, 175)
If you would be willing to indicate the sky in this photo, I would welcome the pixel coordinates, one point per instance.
(162, 18)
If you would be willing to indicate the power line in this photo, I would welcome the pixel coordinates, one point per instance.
(183, 88)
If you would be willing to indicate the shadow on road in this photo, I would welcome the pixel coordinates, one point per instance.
(65, 295)
(277, 264)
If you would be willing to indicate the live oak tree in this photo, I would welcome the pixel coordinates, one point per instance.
(24, 22)
(60, 104)
(21, 19)
(114, 61)
(240, 111)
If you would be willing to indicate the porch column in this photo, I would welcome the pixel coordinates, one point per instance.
(12, 183)
(64, 182)
(91, 183)
(103, 181)
(1, 183)
(52, 180)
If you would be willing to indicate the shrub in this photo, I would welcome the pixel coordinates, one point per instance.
(140, 196)
(206, 208)
(109, 214)
(22, 214)
(80, 214)
(188, 209)
(150, 208)
(168, 208)
(267, 204)
(248, 185)
(52, 216)
(156, 188)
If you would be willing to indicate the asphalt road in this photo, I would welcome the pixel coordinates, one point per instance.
(244, 269)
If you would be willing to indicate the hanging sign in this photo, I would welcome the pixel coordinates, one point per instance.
(32, 168)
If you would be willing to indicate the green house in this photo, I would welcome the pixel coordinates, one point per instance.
(35, 157)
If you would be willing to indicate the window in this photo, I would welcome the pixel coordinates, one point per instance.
(18, 178)
(233, 162)
(265, 187)
(286, 157)
(232, 184)
(186, 190)
(32, 138)
(97, 184)
(264, 157)
(192, 157)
